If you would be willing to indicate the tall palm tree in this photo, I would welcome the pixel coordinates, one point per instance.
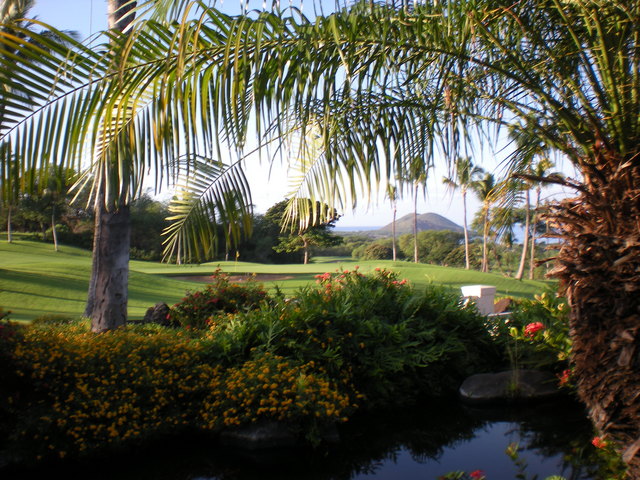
(465, 176)
(392, 195)
(380, 85)
(485, 190)
(529, 148)
(540, 171)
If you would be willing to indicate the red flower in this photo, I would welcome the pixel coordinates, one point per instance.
(564, 377)
(477, 474)
(598, 442)
(531, 329)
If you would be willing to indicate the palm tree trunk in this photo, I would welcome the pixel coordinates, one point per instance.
(111, 262)
(467, 261)
(108, 288)
(534, 221)
(53, 229)
(305, 247)
(9, 237)
(598, 267)
(485, 239)
(525, 243)
(393, 230)
(415, 224)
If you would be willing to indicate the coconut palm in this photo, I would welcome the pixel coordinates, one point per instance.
(541, 170)
(380, 86)
(392, 195)
(465, 176)
(485, 190)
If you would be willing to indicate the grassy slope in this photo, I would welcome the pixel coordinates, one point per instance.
(35, 280)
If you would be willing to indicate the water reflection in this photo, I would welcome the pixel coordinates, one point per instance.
(420, 443)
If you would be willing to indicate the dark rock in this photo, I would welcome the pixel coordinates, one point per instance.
(158, 314)
(260, 435)
(510, 386)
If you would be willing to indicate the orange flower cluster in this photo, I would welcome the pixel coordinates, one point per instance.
(273, 387)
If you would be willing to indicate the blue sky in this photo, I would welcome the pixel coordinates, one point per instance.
(89, 16)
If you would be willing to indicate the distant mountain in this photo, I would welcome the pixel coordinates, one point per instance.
(426, 221)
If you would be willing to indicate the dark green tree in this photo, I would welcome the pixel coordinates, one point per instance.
(293, 238)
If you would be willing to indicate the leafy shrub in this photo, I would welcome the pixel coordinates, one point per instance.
(541, 326)
(218, 297)
(376, 251)
(394, 343)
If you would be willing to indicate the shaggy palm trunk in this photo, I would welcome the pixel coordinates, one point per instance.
(599, 270)
(525, 243)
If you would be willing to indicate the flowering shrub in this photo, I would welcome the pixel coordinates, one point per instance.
(542, 327)
(197, 309)
(610, 462)
(275, 388)
(87, 391)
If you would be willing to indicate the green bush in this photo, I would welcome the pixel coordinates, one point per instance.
(220, 296)
(395, 344)
(376, 251)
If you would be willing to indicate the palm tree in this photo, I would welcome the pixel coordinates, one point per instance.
(540, 171)
(528, 149)
(380, 85)
(13, 21)
(392, 194)
(485, 190)
(465, 177)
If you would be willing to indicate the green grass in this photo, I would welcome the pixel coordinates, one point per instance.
(35, 280)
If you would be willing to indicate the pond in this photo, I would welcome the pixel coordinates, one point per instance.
(418, 443)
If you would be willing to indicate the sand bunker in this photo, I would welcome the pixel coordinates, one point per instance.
(262, 277)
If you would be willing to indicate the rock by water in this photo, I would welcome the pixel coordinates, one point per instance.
(509, 386)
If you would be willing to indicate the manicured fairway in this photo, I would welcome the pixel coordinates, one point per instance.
(35, 280)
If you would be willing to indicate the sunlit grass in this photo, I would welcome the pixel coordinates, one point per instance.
(36, 280)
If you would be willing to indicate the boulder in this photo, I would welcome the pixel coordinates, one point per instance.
(158, 314)
(509, 386)
(271, 435)
(260, 435)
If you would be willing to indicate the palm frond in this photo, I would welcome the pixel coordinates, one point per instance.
(212, 196)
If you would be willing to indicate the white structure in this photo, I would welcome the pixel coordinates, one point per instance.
(482, 295)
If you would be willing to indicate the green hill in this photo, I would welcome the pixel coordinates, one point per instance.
(425, 221)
